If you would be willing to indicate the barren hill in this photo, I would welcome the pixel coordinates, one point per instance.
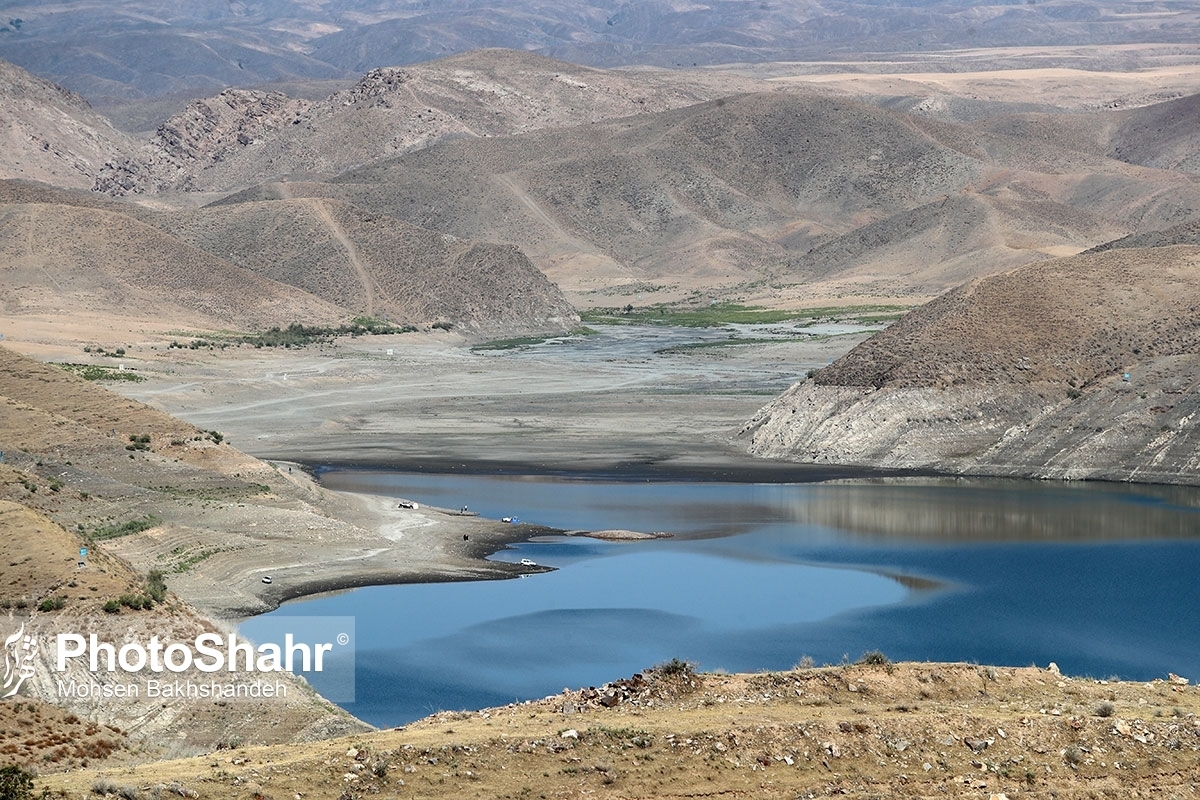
(1018, 374)
(378, 265)
(241, 137)
(867, 730)
(1163, 135)
(782, 187)
(250, 267)
(60, 259)
(51, 134)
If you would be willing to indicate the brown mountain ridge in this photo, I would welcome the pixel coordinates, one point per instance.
(1083, 367)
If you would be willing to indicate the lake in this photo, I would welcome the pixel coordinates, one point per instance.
(1098, 578)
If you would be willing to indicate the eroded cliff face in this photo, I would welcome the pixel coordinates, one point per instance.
(965, 385)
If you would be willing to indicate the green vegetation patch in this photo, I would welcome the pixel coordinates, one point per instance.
(126, 528)
(530, 341)
(215, 493)
(296, 335)
(510, 344)
(93, 372)
(718, 314)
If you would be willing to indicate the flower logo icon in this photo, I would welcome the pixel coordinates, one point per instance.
(20, 661)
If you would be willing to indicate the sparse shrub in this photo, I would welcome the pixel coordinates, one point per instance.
(676, 668)
(112, 606)
(1105, 709)
(875, 658)
(103, 786)
(126, 528)
(156, 587)
(805, 662)
(128, 792)
(55, 485)
(443, 326)
(15, 783)
(1074, 394)
(1074, 756)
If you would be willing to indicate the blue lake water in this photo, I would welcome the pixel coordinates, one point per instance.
(1098, 578)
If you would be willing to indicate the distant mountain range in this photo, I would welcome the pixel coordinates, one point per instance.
(128, 49)
(604, 182)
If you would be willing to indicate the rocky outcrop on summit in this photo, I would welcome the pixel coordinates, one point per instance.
(201, 140)
(240, 137)
(1085, 367)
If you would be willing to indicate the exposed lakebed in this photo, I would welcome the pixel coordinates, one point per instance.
(1099, 578)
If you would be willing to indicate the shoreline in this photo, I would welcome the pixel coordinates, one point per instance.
(426, 545)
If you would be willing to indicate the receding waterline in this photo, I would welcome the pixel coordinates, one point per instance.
(1096, 578)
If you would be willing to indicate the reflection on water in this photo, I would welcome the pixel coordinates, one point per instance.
(1001, 510)
(1096, 577)
(610, 610)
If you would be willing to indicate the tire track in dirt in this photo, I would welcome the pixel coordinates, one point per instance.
(364, 277)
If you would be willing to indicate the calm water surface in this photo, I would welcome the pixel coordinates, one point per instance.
(1100, 579)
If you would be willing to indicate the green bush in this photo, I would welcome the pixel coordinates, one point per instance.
(52, 604)
(156, 587)
(875, 658)
(15, 783)
(112, 606)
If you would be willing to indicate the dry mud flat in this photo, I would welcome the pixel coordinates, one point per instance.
(868, 730)
(604, 401)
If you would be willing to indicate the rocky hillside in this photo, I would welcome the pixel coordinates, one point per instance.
(52, 135)
(1022, 373)
(241, 137)
(85, 467)
(781, 189)
(379, 265)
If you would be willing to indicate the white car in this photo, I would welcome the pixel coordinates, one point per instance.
(266, 579)
(528, 562)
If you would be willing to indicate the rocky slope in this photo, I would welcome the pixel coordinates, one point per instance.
(80, 465)
(1021, 373)
(769, 189)
(242, 137)
(52, 135)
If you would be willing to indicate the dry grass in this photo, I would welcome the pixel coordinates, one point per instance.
(862, 731)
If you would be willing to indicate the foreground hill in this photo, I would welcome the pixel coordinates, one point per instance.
(767, 189)
(251, 267)
(85, 467)
(863, 731)
(1019, 374)
(52, 135)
